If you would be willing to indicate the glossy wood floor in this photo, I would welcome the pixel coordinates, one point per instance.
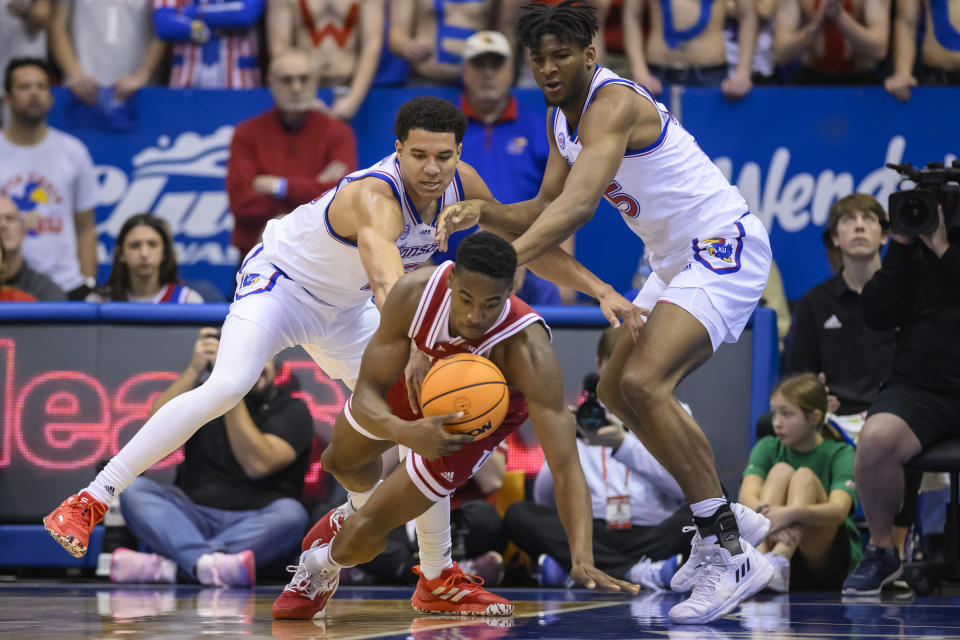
(59, 610)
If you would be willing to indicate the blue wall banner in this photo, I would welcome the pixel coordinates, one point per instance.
(792, 152)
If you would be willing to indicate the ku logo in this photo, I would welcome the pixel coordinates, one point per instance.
(249, 279)
(406, 232)
(718, 248)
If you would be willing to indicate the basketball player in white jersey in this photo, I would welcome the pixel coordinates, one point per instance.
(310, 283)
(710, 258)
(455, 308)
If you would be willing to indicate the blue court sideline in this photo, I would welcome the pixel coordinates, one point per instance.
(68, 610)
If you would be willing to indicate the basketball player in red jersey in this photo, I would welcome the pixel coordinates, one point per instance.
(462, 308)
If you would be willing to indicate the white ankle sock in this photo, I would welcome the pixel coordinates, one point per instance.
(319, 561)
(433, 537)
(108, 484)
(357, 500)
(705, 509)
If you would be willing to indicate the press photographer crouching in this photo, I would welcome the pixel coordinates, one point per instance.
(916, 291)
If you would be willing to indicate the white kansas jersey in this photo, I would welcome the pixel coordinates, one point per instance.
(305, 247)
(668, 192)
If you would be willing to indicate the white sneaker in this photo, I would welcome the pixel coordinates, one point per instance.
(654, 575)
(781, 572)
(723, 581)
(753, 528)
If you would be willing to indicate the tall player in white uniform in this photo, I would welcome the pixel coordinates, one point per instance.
(310, 283)
(710, 258)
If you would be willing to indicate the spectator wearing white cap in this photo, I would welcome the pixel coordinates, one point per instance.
(502, 141)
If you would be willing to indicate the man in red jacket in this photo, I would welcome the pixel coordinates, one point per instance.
(287, 156)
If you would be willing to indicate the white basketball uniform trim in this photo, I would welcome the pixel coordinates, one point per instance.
(306, 248)
(662, 204)
(348, 414)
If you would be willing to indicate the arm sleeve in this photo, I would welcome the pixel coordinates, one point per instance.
(841, 472)
(761, 457)
(639, 460)
(292, 423)
(543, 487)
(231, 15)
(884, 297)
(804, 354)
(242, 168)
(170, 25)
(343, 147)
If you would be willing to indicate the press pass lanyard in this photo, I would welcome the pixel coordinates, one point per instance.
(618, 506)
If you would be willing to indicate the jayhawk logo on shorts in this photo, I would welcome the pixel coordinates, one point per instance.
(720, 255)
(719, 249)
(249, 279)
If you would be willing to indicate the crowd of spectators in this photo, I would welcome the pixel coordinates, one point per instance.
(107, 50)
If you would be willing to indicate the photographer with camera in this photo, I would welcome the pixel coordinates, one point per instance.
(638, 507)
(917, 291)
(234, 508)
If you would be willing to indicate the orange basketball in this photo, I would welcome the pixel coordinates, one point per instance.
(469, 383)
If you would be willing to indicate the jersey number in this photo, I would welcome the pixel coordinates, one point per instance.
(624, 203)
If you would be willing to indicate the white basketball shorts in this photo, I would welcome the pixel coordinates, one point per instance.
(718, 280)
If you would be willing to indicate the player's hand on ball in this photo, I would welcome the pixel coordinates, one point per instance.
(592, 578)
(454, 217)
(428, 438)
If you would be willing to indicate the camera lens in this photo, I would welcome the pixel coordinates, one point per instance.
(915, 214)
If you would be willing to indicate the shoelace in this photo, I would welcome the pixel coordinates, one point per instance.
(459, 578)
(81, 513)
(706, 582)
(301, 582)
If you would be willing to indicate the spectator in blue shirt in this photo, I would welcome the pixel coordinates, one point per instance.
(503, 141)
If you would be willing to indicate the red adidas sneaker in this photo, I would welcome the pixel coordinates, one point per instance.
(305, 596)
(72, 522)
(327, 526)
(458, 593)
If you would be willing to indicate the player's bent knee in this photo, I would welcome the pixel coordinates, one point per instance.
(608, 391)
(640, 388)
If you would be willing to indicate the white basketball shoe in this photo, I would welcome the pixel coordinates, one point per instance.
(753, 528)
(723, 581)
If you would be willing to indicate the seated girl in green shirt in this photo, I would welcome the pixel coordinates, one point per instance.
(802, 480)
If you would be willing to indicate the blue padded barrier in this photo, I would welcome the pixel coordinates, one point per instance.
(147, 313)
(49, 312)
(29, 545)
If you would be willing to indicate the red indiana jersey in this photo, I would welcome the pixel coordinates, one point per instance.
(430, 330)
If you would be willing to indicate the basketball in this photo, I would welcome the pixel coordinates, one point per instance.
(468, 383)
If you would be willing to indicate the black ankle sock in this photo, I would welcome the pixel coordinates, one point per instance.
(722, 524)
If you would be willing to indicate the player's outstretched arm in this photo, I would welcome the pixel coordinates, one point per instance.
(383, 362)
(529, 364)
(604, 131)
(480, 207)
(370, 208)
